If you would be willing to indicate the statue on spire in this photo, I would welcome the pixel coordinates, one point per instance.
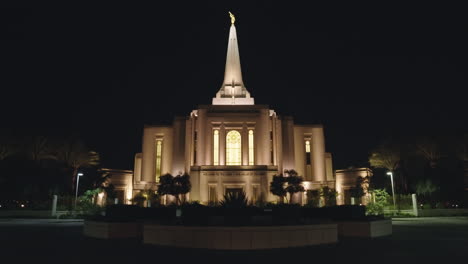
(233, 18)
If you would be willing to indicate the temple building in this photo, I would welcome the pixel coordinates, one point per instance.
(233, 145)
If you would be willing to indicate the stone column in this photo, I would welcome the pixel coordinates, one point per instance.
(147, 169)
(188, 144)
(318, 154)
(245, 145)
(274, 140)
(262, 137)
(222, 145)
(287, 135)
(279, 145)
(201, 128)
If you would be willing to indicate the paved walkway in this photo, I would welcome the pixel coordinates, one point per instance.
(415, 240)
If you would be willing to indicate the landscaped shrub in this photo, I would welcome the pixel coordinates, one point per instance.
(377, 207)
(234, 200)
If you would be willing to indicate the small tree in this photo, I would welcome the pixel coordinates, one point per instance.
(313, 198)
(294, 184)
(426, 190)
(166, 185)
(277, 187)
(377, 206)
(181, 186)
(281, 185)
(175, 186)
(361, 188)
(329, 195)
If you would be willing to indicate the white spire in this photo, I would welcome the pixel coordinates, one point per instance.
(233, 91)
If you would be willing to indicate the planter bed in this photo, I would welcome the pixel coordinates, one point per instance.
(112, 230)
(365, 228)
(239, 238)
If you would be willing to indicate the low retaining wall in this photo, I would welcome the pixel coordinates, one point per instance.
(30, 213)
(442, 212)
(109, 230)
(365, 228)
(234, 238)
(431, 212)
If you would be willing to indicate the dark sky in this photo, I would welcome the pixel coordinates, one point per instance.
(365, 72)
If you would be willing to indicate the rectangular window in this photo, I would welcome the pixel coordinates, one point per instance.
(212, 194)
(216, 147)
(272, 157)
(255, 193)
(195, 147)
(251, 147)
(158, 159)
(307, 147)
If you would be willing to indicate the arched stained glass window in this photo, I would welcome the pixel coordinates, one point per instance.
(233, 148)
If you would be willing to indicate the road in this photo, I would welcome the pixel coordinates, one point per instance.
(414, 240)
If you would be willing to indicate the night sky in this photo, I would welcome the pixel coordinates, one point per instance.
(365, 72)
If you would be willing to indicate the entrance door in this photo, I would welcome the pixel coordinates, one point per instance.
(234, 191)
(347, 196)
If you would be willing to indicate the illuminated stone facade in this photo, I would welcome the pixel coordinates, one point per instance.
(233, 145)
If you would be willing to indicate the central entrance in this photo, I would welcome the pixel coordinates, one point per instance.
(234, 191)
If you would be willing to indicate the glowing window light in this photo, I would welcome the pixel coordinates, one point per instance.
(308, 157)
(216, 147)
(233, 148)
(251, 147)
(158, 159)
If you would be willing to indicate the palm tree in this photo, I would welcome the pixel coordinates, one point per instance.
(430, 150)
(74, 154)
(385, 156)
(39, 148)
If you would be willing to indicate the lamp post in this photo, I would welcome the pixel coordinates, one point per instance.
(77, 182)
(393, 189)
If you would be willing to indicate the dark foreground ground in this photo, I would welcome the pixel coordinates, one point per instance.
(415, 240)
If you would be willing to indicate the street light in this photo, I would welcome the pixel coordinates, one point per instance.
(393, 189)
(77, 182)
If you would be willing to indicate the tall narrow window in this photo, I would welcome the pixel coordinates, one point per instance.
(195, 147)
(307, 147)
(272, 157)
(158, 159)
(255, 193)
(251, 147)
(216, 147)
(233, 148)
(212, 194)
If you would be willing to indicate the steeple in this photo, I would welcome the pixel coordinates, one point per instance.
(233, 91)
